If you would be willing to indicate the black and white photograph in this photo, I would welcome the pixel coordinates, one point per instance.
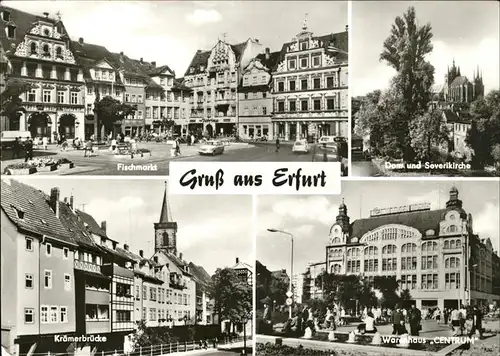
(425, 88)
(381, 269)
(124, 88)
(120, 267)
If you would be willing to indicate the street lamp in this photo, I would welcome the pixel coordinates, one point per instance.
(291, 266)
(244, 321)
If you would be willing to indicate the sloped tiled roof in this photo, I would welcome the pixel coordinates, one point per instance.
(92, 225)
(272, 62)
(242, 265)
(461, 80)
(180, 86)
(450, 116)
(420, 220)
(437, 88)
(75, 226)
(200, 274)
(200, 59)
(238, 49)
(38, 215)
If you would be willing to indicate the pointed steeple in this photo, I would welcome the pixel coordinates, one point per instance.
(477, 73)
(342, 218)
(458, 72)
(165, 215)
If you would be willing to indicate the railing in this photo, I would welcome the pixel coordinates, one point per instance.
(157, 350)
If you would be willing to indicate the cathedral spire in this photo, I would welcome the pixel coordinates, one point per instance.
(165, 215)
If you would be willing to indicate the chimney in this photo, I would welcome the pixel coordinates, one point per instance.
(180, 256)
(141, 253)
(65, 200)
(46, 14)
(237, 260)
(256, 40)
(153, 63)
(80, 40)
(155, 259)
(54, 201)
(103, 226)
(346, 28)
(142, 60)
(268, 53)
(125, 246)
(71, 202)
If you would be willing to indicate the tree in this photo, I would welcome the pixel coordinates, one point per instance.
(277, 289)
(367, 297)
(484, 134)
(339, 288)
(427, 131)
(232, 296)
(388, 285)
(145, 336)
(109, 111)
(405, 50)
(10, 100)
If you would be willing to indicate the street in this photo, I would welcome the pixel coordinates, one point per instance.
(104, 163)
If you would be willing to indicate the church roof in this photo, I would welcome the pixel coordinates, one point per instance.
(420, 220)
(461, 80)
(437, 88)
(165, 215)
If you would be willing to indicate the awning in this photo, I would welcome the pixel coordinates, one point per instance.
(39, 118)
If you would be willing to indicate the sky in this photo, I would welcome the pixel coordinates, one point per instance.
(309, 218)
(465, 30)
(206, 235)
(170, 32)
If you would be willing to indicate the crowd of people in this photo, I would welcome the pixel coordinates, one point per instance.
(464, 321)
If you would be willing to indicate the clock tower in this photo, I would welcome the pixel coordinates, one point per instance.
(166, 229)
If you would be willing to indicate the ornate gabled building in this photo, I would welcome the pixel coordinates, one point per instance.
(214, 76)
(41, 52)
(254, 95)
(427, 250)
(310, 85)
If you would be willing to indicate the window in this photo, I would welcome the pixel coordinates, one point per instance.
(139, 98)
(329, 104)
(46, 50)
(144, 292)
(139, 114)
(152, 314)
(429, 281)
(303, 62)
(60, 97)
(452, 280)
(429, 262)
(304, 46)
(317, 104)
(152, 293)
(29, 244)
(32, 95)
(409, 263)
(48, 249)
(329, 82)
(317, 83)
(304, 105)
(11, 31)
(408, 282)
(28, 281)
(316, 61)
(303, 84)
(53, 314)
(48, 279)
(452, 263)
(281, 86)
(281, 106)
(74, 98)
(389, 264)
(144, 311)
(127, 97)
(264, 110)
(63, 312)
(353, 266)
(65, 253)
(46, 96)
(44, 314)
(59, 52)
(5, 15)
(67, 282)
(133, 98)
(137, 293)
(29, 315)
(291, 64)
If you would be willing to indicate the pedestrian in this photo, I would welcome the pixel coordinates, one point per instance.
(192, 139)
(17, 148)
(45, 142)
(88, 149)
(463, 317)
(477, 326)
(277, 144)
(114, 145)
(177, 147)
(414, 319)
(28, 149)
(267, 316)
(397, 322)
(455, 321)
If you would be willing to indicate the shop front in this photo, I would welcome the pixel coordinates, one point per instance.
(39, 124)
(291, 130)
(67, 126)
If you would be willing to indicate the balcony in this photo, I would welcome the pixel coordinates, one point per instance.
(97, 326)
(97, 297)
(87, 266)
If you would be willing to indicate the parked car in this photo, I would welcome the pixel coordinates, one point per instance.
(331, 153)
(357, 148)
(8, 137)
(301, 146)
(211, 147)
(326, 139)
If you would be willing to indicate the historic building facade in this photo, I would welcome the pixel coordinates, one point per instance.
(427, 250)
(255, 100)
(214, 76)
(41, 53)
(310, 87)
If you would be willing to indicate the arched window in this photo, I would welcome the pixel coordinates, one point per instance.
(452, 228)
(335, 269)
(336, 240)
(447, 244)
(429, 255)
(429, 246)
(452, 263)
(45, 50)
(371, 251)
(389, 249)
(33, 48)
(459, 243)
(452, 244)
(165, 239)
(409, 248)
(59, 52)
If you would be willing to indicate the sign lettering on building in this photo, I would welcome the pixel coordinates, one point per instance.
(400, 209)
(87, 266)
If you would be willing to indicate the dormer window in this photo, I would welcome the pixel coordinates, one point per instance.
(46, 50)
(46, 32)
(5, 15)
(11, 31)
(59, 52)
(33, 49)
(304, 46)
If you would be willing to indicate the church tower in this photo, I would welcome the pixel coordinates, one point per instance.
(342, 219)
(454, 203)
(166, 229)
